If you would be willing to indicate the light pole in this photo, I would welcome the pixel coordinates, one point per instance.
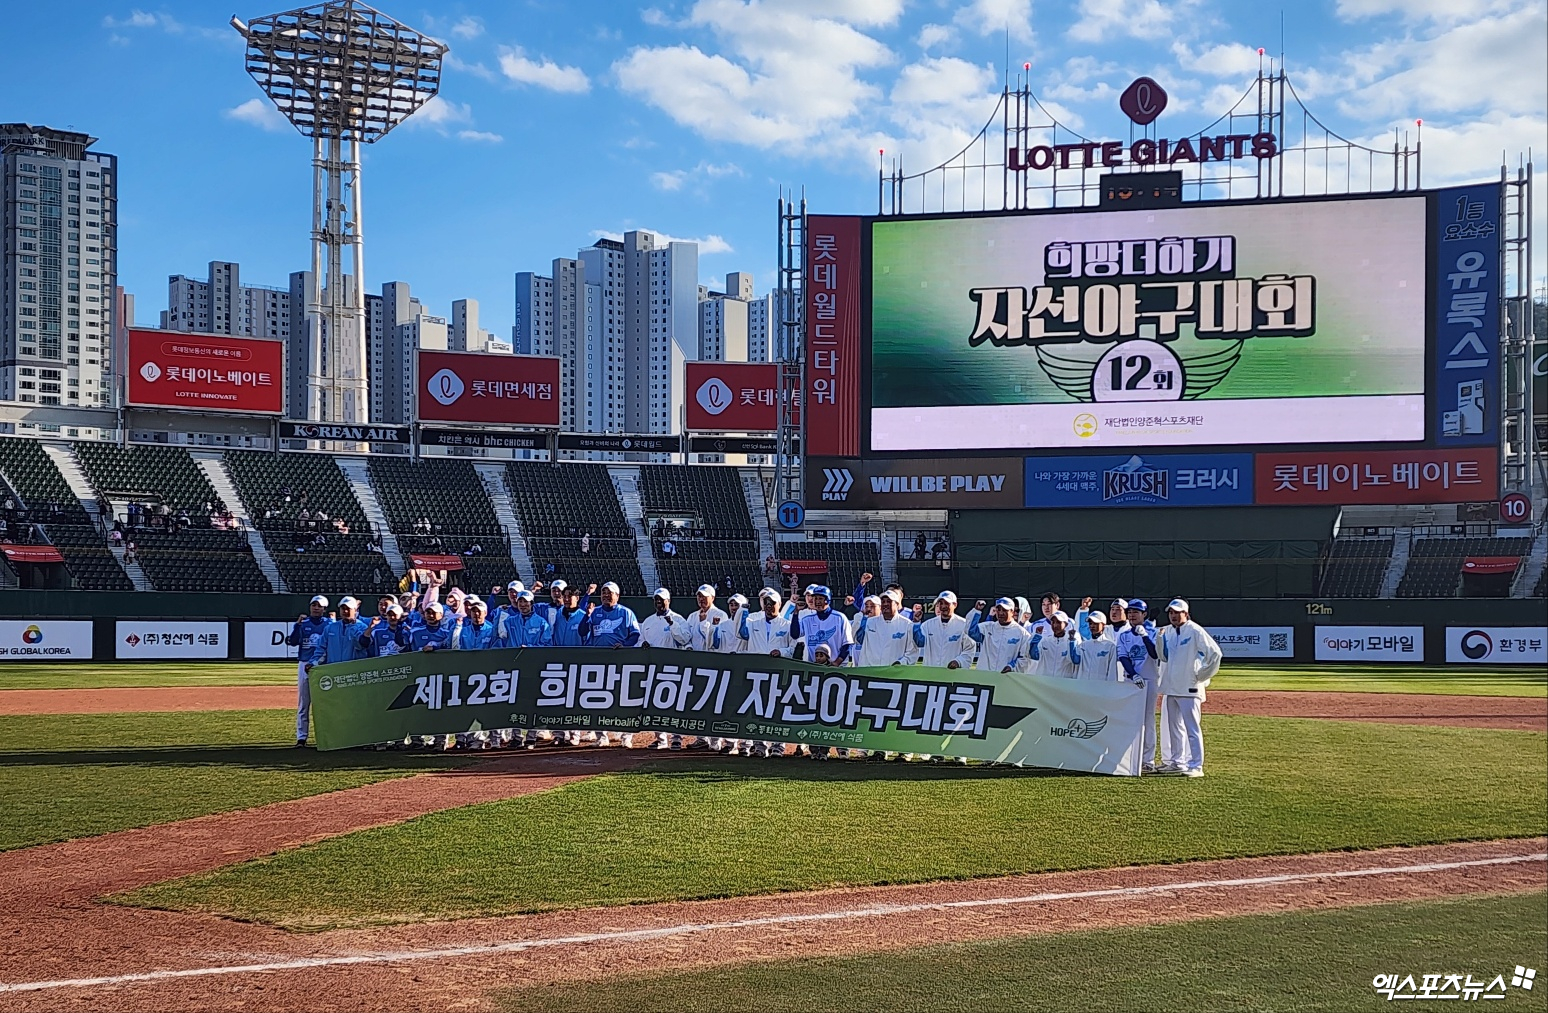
(344, 75)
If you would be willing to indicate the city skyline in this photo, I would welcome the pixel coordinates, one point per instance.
(683, 120)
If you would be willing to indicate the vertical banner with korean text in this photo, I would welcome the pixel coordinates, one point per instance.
(1467, 236)
(1071, 724)
(833, 336)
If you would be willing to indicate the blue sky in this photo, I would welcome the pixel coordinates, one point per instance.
(559, 122)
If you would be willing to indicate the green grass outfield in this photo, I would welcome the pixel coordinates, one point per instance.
(725, 828)
(1296, 963)
(1517, 680)
(1449, 680)
(77, 775)
(100, 675)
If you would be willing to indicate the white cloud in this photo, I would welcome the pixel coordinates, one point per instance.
(439, 112)
(479, 135)
(994, 17)
(1107, 20)
(708, 245)
(545, 74)
(136, 19)
(931, 36)
(676, 179)
(1421, 10)
(468, 28)
(260, 113)
(1230, 59)
(453, 62)
(655, 17)
(788, 74)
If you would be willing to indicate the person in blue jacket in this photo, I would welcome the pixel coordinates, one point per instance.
(524, 627)
(571, 624)
(387, 636)
(613, 625)
(341, 639)
(434, 634)
(474, 631)
(306, 636)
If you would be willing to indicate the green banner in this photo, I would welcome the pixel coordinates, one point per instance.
(1072, 724)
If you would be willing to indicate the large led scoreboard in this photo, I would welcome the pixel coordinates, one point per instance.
(1320, 350)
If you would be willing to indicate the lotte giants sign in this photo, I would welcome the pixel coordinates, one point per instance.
(517, 390)
(205, 372)
(733, 397)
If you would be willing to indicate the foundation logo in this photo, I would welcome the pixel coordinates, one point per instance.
(32, 636)
(1079, 728)
(1085, 425)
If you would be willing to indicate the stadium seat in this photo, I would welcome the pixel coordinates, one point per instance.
(1435, 564)
(1355, 567)
(200, 559)
(448, 492)
(558, 504)
(846, 560)
(720, 542)
(33, 475)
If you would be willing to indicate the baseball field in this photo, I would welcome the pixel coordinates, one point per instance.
(163, 847)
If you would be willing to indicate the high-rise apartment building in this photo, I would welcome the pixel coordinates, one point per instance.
(465, 335)
(397, 326)
(222, 304)
(58, 267)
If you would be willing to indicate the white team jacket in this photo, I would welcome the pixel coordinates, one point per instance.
(1188, 658)
(883, 642)
(654, 631)
(942, 643)
(999, 647)
(726, 638)
(1098, 658)
(1055, 656)
(759, 634)
(701, 627)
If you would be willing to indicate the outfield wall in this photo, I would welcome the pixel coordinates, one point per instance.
(217, 626)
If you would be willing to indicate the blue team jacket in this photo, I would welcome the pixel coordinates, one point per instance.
(307, 637)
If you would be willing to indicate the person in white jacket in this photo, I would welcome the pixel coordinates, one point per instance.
(1096, 656)
(726, 637)
(886, 638)
(664, 628)
(1054, 653)
(943, 639)
(766, 632)
(1002, 642)
(702, 623)
(1189, 658)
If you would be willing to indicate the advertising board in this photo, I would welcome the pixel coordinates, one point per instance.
(1255, 641)
(993, 483)
(1497, 645)
(39, 639)
(1369, 643)
(832, 398)
(139, 639)
(1214, 325)
(518, 390)
(266, 640)
(1348, 477)
(205, 372)
(1134, 480)
(735, 397)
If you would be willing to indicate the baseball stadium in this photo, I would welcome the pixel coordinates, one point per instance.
(931, 663)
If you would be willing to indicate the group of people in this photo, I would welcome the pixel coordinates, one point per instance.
(1173, 663)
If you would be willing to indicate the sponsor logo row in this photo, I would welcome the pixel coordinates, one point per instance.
(1465, 645)
(1151, 480)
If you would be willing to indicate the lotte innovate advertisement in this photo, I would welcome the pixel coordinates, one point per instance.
(1070, 724)
(1300, 322)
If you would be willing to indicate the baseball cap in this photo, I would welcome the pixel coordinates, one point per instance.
(395, 610)
(1137, 605)
(894, 594)
(769, 594)
(434, 609)
(1178, 605)
(870, 598)
(708, 589)
(1096, 616)
(524, 596)
(812, 588)
(821, 591)
(610, 586)
(349, 601)
(558, 585)
(1060, 616)
(950, 596)
(1121, 603)
(663, 594)
(1005, 603)
(740, 599)
(318, 599)
(515, 585)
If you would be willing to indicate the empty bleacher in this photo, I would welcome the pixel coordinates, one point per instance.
(447, 492)
(1355, 567)
(557, 505)
(88, 558)
(716, 538)
(158, 475)
(199, 559)
(846, 560)
(1435, 564)
(33, 475)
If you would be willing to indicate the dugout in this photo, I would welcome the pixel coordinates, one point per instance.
(1217, 553)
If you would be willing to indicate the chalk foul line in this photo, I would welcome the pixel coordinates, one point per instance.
(694, 928)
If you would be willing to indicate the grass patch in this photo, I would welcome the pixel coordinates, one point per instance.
(78, 775)
(724, 828)
(1446, 680)
(96, 675)
(1300, 962)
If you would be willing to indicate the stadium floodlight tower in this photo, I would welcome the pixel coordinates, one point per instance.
(344, 75)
